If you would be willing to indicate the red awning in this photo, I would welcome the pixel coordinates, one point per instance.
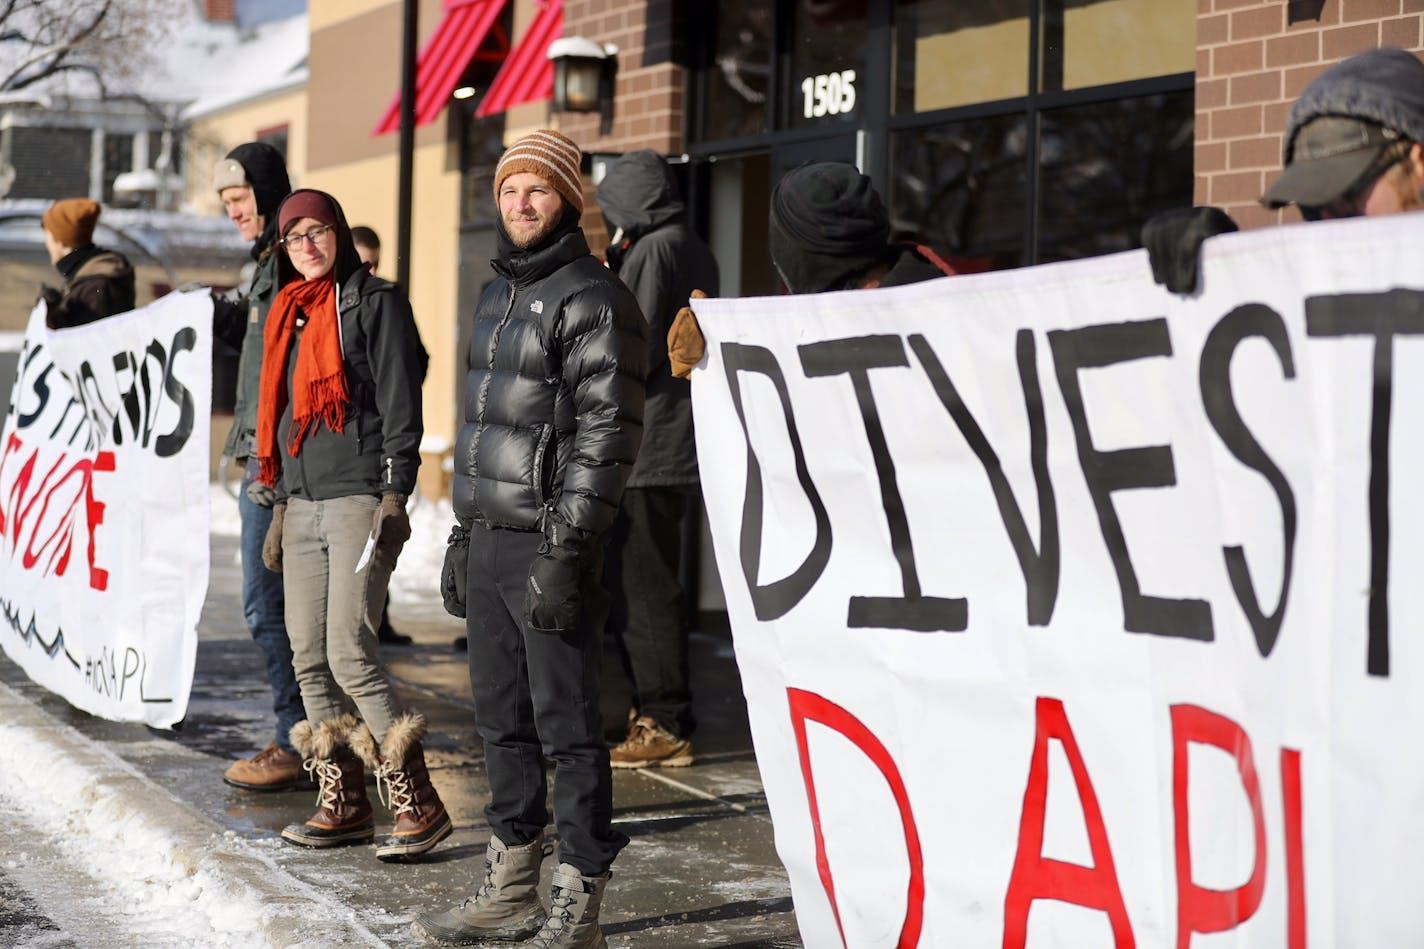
(527, 75)
(448, 51)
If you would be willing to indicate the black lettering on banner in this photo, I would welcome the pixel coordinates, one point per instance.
(1040, 565)
(1242, 323)
(774, 599)
(172, 443)
(1094, 347)
(1383, 316)
(855, 357)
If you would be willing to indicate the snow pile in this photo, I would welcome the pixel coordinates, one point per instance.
(158, 870)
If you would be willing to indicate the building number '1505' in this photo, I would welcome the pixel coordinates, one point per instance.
(828, 94)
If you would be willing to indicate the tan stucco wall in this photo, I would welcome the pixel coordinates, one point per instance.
(362, 171)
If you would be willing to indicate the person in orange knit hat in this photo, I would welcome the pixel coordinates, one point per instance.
(338, 439)
(97, 282)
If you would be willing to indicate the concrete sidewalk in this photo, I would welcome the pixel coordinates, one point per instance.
(701, 869)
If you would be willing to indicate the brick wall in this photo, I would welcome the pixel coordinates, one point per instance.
(1253, 59)
(220, 11)
(648, 100)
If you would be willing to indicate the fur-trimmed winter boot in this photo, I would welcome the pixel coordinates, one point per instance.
(505, 908)
(343, 812)
(573, 915)
(403, 784)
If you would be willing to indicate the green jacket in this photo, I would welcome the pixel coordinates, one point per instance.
(243, 437)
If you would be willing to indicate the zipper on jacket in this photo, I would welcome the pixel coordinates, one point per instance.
(546, 432)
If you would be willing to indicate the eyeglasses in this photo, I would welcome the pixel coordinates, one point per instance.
(294, 241)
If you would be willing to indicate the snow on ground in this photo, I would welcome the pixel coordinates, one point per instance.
(119, 862)
(417, 576)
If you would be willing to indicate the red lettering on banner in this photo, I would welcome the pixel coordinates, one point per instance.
(1295, 849)
(1038, 878)
(1201, 909)
(19, 511)
(808, 705)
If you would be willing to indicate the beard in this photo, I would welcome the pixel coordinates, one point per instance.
(524, 237)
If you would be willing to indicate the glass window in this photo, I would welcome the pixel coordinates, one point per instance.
(958, 52)
(49, 161)
(118, 158)
(827, 63)
(960, 188)
(737, 79)
(1117, 41)
(1106, 168)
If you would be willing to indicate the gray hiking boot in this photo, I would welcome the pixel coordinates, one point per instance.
(506, 907)
(573, 918)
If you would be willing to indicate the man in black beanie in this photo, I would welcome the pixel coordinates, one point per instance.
(252, 181)
(830, 231)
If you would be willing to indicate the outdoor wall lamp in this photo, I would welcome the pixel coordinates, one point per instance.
(583, 75)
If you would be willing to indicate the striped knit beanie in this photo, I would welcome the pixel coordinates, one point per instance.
(551, 156)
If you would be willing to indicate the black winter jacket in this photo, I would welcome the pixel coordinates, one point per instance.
(554, 393)
(378, 449)
(97, 283)
(662, 261)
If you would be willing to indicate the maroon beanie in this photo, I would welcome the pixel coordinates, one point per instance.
(300, 204)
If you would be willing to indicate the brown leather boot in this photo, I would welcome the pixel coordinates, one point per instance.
(271, 769)
(403, 782)
(343, 813)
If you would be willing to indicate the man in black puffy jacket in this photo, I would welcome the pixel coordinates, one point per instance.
(553, 421)
(662, 261)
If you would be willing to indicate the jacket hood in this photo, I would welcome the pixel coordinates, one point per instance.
(639, 193)
(348, 261)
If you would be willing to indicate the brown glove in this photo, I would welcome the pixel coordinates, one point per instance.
(272, 544)
(390, 525)
(685, 343)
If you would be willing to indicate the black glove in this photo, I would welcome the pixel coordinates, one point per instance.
(390, 525)
(455, 569)
(261, 495)
(272, 543)
(551, 594)
(1173, 240)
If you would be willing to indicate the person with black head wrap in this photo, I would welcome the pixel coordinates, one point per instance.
(829, 231)
(252, 182)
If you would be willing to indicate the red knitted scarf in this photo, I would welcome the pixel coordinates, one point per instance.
(319, 391)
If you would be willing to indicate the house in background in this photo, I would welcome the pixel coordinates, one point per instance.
(126, 144)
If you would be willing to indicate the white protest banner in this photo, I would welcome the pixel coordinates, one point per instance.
(1063, 606)
(104, 508)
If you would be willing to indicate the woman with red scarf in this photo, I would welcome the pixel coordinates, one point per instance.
(338, 437)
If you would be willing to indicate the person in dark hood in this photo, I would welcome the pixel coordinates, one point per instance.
(829, 231)
(338, 441)
(97, 282)
(251, 181)
(662, 261)
(553, 420)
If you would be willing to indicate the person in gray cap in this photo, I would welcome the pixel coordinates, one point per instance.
(1351, 149)
(251, 181)
(1352, 140)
